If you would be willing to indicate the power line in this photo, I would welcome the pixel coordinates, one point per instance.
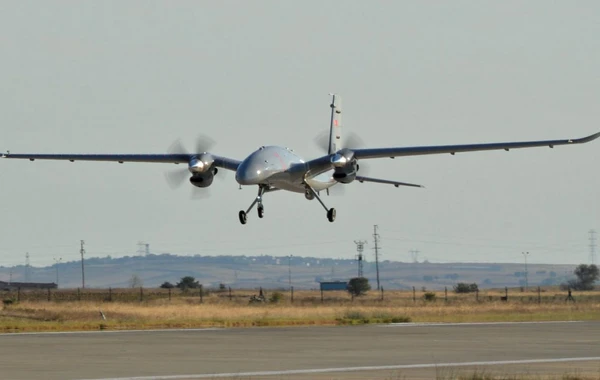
(376, 241)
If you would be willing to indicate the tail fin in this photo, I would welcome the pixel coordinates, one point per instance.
(335, 128)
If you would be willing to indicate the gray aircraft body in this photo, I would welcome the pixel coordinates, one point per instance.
(272, 168)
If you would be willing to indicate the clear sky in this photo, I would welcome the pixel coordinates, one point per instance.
(131, 77)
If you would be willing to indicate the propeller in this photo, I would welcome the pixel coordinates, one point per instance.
(176, 178)
(352, 141)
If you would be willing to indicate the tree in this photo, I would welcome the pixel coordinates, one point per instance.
(167, 285)
(187, 282)
(586, 276)
(463, 287)
(135, 281)
(358, 286)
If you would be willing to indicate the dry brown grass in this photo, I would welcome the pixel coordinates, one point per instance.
(217, 310)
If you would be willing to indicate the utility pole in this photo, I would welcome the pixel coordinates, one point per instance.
(82, 251)
(360, 246)
(27, 268)
(592, 246)
(525, 254)
(414, 255)
(290, 271)
(376, 241)
(56, 262)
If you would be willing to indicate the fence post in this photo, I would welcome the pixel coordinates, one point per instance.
(141, 294)
(477, 295)
(506, 293)
(321, 295)
(109, 294)
(230, 297)
(382, 293)
(539, 295)
(446, 293)
(201, 299)
(414, 295)
(18, 294)
(48, 294)
(169, 294)
(78, 294)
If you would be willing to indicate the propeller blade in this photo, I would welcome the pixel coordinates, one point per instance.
(353, 141)
(175, 178)
(177, 148)
(204, 143)
(322, 141)
(199, 193)
(337, 190)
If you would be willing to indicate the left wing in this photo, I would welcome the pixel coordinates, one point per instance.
(221, 162)
(452, 149)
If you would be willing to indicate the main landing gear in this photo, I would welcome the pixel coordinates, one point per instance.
(258, 200)
(330, 212)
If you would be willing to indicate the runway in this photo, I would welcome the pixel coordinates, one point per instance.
(351, 352)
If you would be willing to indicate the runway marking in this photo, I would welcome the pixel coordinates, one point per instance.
(426, 324)
(107, 332)
(350, 369)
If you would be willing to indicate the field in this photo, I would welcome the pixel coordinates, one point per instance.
(68, 310)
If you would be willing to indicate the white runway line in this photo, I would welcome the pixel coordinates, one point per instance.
(426, 324)
(351, 369)
(3, 335)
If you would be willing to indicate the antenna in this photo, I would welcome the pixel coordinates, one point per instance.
(376, 241)
(360, 246)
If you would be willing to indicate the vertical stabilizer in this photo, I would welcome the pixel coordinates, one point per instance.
(335, 128)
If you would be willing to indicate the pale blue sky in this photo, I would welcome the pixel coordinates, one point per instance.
(131, 77)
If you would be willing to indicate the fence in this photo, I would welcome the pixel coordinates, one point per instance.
(300, 297)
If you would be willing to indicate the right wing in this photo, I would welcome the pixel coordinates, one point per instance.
(221, 162)
(452, 149)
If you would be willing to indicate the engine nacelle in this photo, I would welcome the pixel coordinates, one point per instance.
(347, 173)
(203, 179)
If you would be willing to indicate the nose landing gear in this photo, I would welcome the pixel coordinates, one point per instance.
(243, 215)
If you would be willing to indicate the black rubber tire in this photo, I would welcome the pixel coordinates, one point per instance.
(261, 211)
(243, 217)
(331, 215)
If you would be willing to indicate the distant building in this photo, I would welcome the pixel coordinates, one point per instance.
(26, 285)
(334, 285)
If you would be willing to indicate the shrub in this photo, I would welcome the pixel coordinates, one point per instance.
(276, 297)
(463, 287)
(429, 296)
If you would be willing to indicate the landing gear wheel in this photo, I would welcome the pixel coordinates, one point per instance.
(243, 217)
(331, 214)
(261, 211)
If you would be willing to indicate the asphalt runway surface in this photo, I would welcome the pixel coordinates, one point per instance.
(397, 351)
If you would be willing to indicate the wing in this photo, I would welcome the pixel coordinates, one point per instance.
(452, 149)
(322, 164)
(221, 162)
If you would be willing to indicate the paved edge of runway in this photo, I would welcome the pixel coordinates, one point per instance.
(418, 324)
(351, 369)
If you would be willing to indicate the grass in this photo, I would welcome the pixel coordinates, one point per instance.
(218, 310)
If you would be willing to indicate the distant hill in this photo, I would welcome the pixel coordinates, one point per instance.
(274, 272)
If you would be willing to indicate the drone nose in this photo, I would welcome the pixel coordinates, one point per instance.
(247, 176)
